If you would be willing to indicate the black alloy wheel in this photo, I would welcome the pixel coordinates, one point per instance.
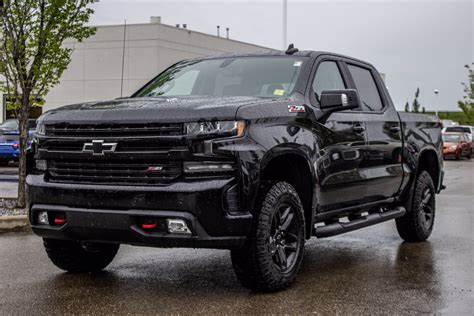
(284, 240)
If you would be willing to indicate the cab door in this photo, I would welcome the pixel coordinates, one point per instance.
(382, 168)
(341, 139)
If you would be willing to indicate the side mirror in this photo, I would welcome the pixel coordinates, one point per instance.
(339, 100)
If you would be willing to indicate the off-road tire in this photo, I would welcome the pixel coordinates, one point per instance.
(414, 225)
(254, 264)
(73, 256)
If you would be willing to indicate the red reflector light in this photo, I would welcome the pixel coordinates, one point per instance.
(16, 145)
(59, 220)
(149, 226)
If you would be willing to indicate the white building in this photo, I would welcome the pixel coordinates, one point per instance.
(95, 71)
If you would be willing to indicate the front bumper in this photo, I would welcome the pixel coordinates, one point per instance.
(450, 152)
(110, 213)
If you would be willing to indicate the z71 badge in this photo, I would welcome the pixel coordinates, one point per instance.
(296, 108)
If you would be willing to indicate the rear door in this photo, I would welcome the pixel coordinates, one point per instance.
(382, 167)
(341, 140)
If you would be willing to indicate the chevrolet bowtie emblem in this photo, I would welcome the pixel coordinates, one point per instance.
(99, 148)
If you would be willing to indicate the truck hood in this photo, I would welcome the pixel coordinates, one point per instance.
(161, 109)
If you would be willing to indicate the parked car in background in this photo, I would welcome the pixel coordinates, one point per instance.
(11, 125)
(465, 129)
(456, 145)
(10, 140)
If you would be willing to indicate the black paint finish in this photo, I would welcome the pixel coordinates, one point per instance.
(342, 163)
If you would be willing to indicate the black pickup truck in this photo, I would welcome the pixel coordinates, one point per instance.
(254, 153)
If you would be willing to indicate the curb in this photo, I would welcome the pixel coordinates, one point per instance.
(13, 223)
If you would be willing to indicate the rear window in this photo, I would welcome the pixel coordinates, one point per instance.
(458, 129)
(367, 88)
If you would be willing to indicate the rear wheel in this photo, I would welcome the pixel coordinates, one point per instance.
(73, 256)
(3, 163)
(417, 223)
(272, 256)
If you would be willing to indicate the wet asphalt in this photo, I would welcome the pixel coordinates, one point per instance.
(370, 271)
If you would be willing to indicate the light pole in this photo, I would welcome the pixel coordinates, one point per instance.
(284, 22)
(436, 92)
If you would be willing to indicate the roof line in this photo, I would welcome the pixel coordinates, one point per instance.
(183, 30)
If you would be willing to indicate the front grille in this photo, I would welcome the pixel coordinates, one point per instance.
(142, 154)
(114, 130)
(123, 145)
(113, 172)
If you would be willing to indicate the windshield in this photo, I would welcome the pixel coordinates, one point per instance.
(459, 129)
(451, 138)
(243, 76)
(9, 125)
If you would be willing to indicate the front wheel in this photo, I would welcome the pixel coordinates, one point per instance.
(73, 256)
(417, 223)
(271, 258)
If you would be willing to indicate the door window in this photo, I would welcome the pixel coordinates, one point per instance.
(366, 87)
(328, 77)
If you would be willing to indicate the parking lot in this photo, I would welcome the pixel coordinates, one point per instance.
(367, 271)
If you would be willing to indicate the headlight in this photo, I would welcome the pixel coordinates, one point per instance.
(227, 128)
(40, 129)
(452, 147)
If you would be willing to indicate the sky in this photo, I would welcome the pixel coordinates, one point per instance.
(417, 43)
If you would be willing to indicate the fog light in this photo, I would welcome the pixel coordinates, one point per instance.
(178, 226)
(41, 165)
(43, 218)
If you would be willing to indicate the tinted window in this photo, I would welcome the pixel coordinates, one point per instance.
(328, 77)
(365, 85)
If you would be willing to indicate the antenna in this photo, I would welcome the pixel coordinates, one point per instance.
(291, 49)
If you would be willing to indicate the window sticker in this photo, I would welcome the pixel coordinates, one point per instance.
(279, 92)
(297, 63)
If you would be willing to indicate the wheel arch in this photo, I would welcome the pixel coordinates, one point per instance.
(428, 161)
(293, 166)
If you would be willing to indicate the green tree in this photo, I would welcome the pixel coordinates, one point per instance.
(416, 104)
(32, 58)
(467, 103)
(407, 107)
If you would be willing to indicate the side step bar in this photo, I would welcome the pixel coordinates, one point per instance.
(371, 219)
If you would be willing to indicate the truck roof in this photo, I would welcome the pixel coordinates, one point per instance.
(303, 53)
